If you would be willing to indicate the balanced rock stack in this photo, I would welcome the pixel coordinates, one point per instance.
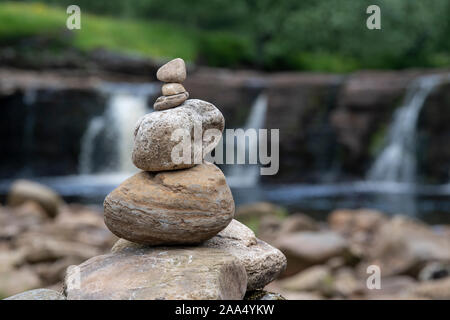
(175, 220)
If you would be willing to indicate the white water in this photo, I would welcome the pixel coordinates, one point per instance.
(397, 161)
(248, 175)
(114, 129)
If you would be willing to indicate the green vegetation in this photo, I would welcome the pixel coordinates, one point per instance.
(318, 35)
(156, 39)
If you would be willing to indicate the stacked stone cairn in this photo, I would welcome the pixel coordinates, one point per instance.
(178, 239)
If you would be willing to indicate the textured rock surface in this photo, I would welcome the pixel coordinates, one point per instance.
(172, 71)
(152, 136)
(38, 294)
(170, 89)
(262, 262)
(168, 102)
(23, 191)
(159, 273)
(172, 207)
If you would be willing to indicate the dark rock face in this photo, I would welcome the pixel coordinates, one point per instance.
(365, 107)
(300, 106)
(433, 134)
(45, 129)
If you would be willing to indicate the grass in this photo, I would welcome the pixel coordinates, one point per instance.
(166, 40)
(151, 39)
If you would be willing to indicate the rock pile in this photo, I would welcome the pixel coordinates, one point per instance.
(36, 248)
(175, 203)
(334, 259)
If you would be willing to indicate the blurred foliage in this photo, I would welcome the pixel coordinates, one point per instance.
(321, 35)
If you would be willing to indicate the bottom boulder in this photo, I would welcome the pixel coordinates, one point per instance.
(263, 263)
(158, 274)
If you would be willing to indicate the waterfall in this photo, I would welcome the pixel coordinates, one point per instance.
(397, 161)
(248, 175)
(107, 143)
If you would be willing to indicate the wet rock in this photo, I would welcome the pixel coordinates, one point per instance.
(263, 263)
(153, 144)
(158, 274)
(38, 294)
(304, 249)
(173, 207)
(172, 71)
(170, 89)
(168, 102)
(22, 191)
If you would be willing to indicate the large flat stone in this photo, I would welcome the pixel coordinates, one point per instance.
(262, 262)
(158, 274)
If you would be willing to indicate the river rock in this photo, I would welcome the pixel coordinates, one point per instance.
(41, 247)
(22, 191)
(169, 89)
(314, 278)
(38, 294)
(304, 249)
(262, 262)
(172, 71)
(405, 246)
(158, 274)
(168, 102)
(152, 136)
(433, 289)
(172, 207)
(18, 280)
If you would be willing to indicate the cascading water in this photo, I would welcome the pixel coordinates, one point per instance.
(397, 161)
(248, 175)
(108, 141)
